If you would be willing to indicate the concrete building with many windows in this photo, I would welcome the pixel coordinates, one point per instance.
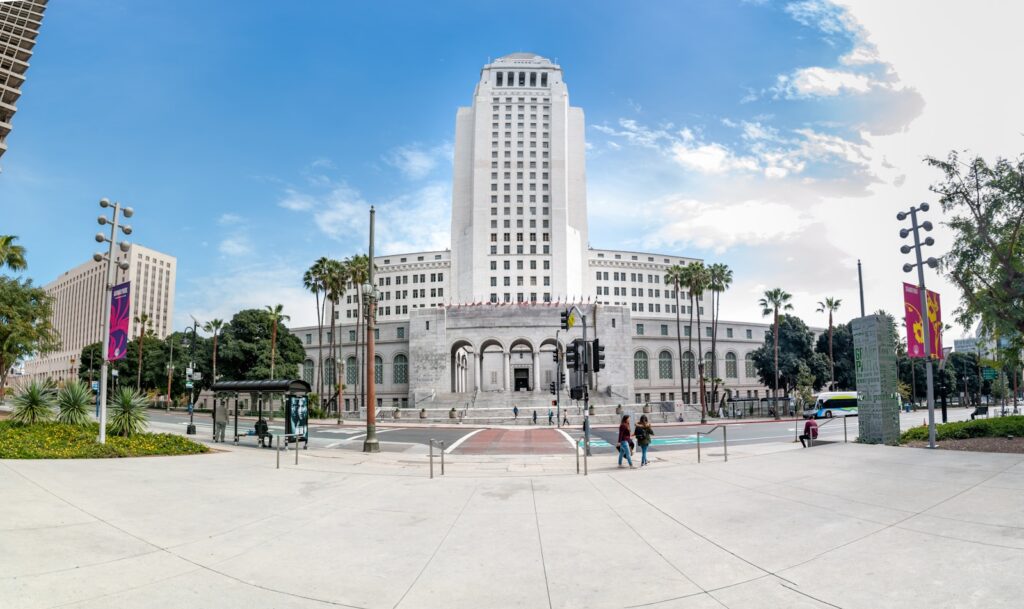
(79, 302)
(476, 327)
(19, 27)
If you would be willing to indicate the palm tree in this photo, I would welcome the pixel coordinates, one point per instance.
(143, 321)
(697, 282)
(313, 280)
(276, 316)
(676, 276)
(335, 282)
(719, 280)
(830, 305)
(775, 300)
(358, 273)
(12, 256)
(213, 326)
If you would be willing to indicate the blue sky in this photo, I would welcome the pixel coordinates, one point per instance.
(778, 137)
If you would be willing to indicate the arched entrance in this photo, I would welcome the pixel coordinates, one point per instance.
(463, 367)
(523, 363)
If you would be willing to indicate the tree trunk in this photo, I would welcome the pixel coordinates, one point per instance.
(359, 335)
(679, 346)
(334, 337)
(700, 372)
(689, 347)
(336, 354)
(319, 348)
(831, 360)
(138, 379)
(214, 379)
(716, 303)
(273, 346)
(775, 395)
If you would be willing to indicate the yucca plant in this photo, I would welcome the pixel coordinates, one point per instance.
(127, 413)
(33, 403)
(74, 401)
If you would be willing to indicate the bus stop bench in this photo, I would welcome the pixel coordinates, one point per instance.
(979, 410)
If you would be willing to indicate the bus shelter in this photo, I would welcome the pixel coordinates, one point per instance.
(295, 394)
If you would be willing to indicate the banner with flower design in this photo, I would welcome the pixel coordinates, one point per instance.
(915, 327)
(120, 304)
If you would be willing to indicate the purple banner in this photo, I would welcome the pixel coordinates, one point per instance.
(120, 305)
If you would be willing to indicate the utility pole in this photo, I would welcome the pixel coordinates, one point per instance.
(170, 371)
(371, 444)
(190, 376)
(925, 323)
(124, 246)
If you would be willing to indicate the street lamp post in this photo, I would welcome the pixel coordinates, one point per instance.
(170, 371)
(371, 444)
(124, 246)
(914, 230)
(191, 430)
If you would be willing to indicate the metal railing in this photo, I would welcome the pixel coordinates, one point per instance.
(810, 439)
(287, 435)
(441, 446)
(725, 439)
(582, 445)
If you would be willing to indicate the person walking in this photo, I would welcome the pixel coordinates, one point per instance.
(643, 433)
(810, 432)
(534, 417)
(551, 417)
(565, 417)
(220, 419)
(625, 441)
(515, 412)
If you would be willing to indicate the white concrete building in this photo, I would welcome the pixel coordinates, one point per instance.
(476, 327)
(19, 27)
(79, 301)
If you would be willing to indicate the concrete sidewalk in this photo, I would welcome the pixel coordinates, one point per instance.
(838, 525)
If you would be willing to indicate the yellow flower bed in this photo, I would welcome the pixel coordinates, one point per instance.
(63, 441)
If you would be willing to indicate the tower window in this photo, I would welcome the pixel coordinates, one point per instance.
(500, 80)
(544, 79)
(533, 79)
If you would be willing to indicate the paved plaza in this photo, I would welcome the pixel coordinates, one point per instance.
(838, 525)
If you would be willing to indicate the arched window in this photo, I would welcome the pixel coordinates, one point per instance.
(378, 370)
(640, 366)
(664, 365)
(307, 371)
(748, 366)
(329, 371)
(351, 372)
(709, 364)
(401, 372)
(730, 365)
(688, 364)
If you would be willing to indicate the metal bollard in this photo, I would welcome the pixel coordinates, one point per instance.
(578, 456)
(586, 453)
(296, 453)
(278, 452)
(442, 458)
(844, 429)
(431, 458)
(725, 442)
(698, 447)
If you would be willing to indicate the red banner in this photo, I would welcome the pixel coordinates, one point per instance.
(915, 325)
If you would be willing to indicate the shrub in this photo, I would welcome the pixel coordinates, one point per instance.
(63, 441)
(979, 428)
(74, 401)
(33, 403)
(128, 414)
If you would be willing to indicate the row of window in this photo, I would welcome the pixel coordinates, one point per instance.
(507, 281)
(399, 371)
(635, 277)
(399, 334)
(666, 366)
(519, 237)
(522, 297)
(686, 330)
(508, 79)
(404, 279)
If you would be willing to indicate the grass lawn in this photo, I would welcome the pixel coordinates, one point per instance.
(62, 441)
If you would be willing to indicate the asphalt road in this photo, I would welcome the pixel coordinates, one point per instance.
(350, 436)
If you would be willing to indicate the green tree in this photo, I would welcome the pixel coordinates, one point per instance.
(697, 280)
(314, 280)
(275, 317)
(719, 280)
(12, 256)
(244, 351)
(984, 205)
(830, 305)
(675, 276)
(143, 323)
(840, 345)
(359, 273)
(25, 327)
(335, 282)
(795, 347)
(774, 301)
(214, 327)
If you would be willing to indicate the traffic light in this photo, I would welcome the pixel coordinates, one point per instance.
(598, 355)
(552, 388)
(561, 378)
(556, 355)
(566, 320)
(576, 393)
(572, 356)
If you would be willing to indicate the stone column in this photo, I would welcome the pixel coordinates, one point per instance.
(508, 371)
(478, 364)
(536, 370)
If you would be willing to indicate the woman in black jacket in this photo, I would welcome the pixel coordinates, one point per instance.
(624, 434)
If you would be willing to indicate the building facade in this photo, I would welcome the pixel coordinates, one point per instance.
(479, 324)
(19, 27)
(79, 302)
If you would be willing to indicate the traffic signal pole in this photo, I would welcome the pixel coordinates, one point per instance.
(558, 380)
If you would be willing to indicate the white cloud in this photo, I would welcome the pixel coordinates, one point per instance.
(821, 82)
(417, 162)
(718, 226)
(237, 244)
(711, 158)
(296, 201)
(229, 219)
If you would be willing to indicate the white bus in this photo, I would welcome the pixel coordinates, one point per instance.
(830, 404)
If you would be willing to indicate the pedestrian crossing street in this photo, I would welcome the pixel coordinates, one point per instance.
(661, 441)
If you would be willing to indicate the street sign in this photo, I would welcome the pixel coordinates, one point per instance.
(95, 385)
(188, 384)
(113, 373)
(197, 376)
(989, 374)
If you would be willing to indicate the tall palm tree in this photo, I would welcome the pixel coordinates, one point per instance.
(313, 280)
(697, 281)
(12, 256)
(214, 326)
(143, 321)
(335, 283)
(830, 305)
(675, 275)
(719, 280)
(359, 273)
(775, 300)
(276, 316)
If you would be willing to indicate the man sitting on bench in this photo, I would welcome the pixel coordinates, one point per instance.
(810, 432)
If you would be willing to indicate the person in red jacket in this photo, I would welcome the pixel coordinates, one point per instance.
(624, 435)
(810, 432)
